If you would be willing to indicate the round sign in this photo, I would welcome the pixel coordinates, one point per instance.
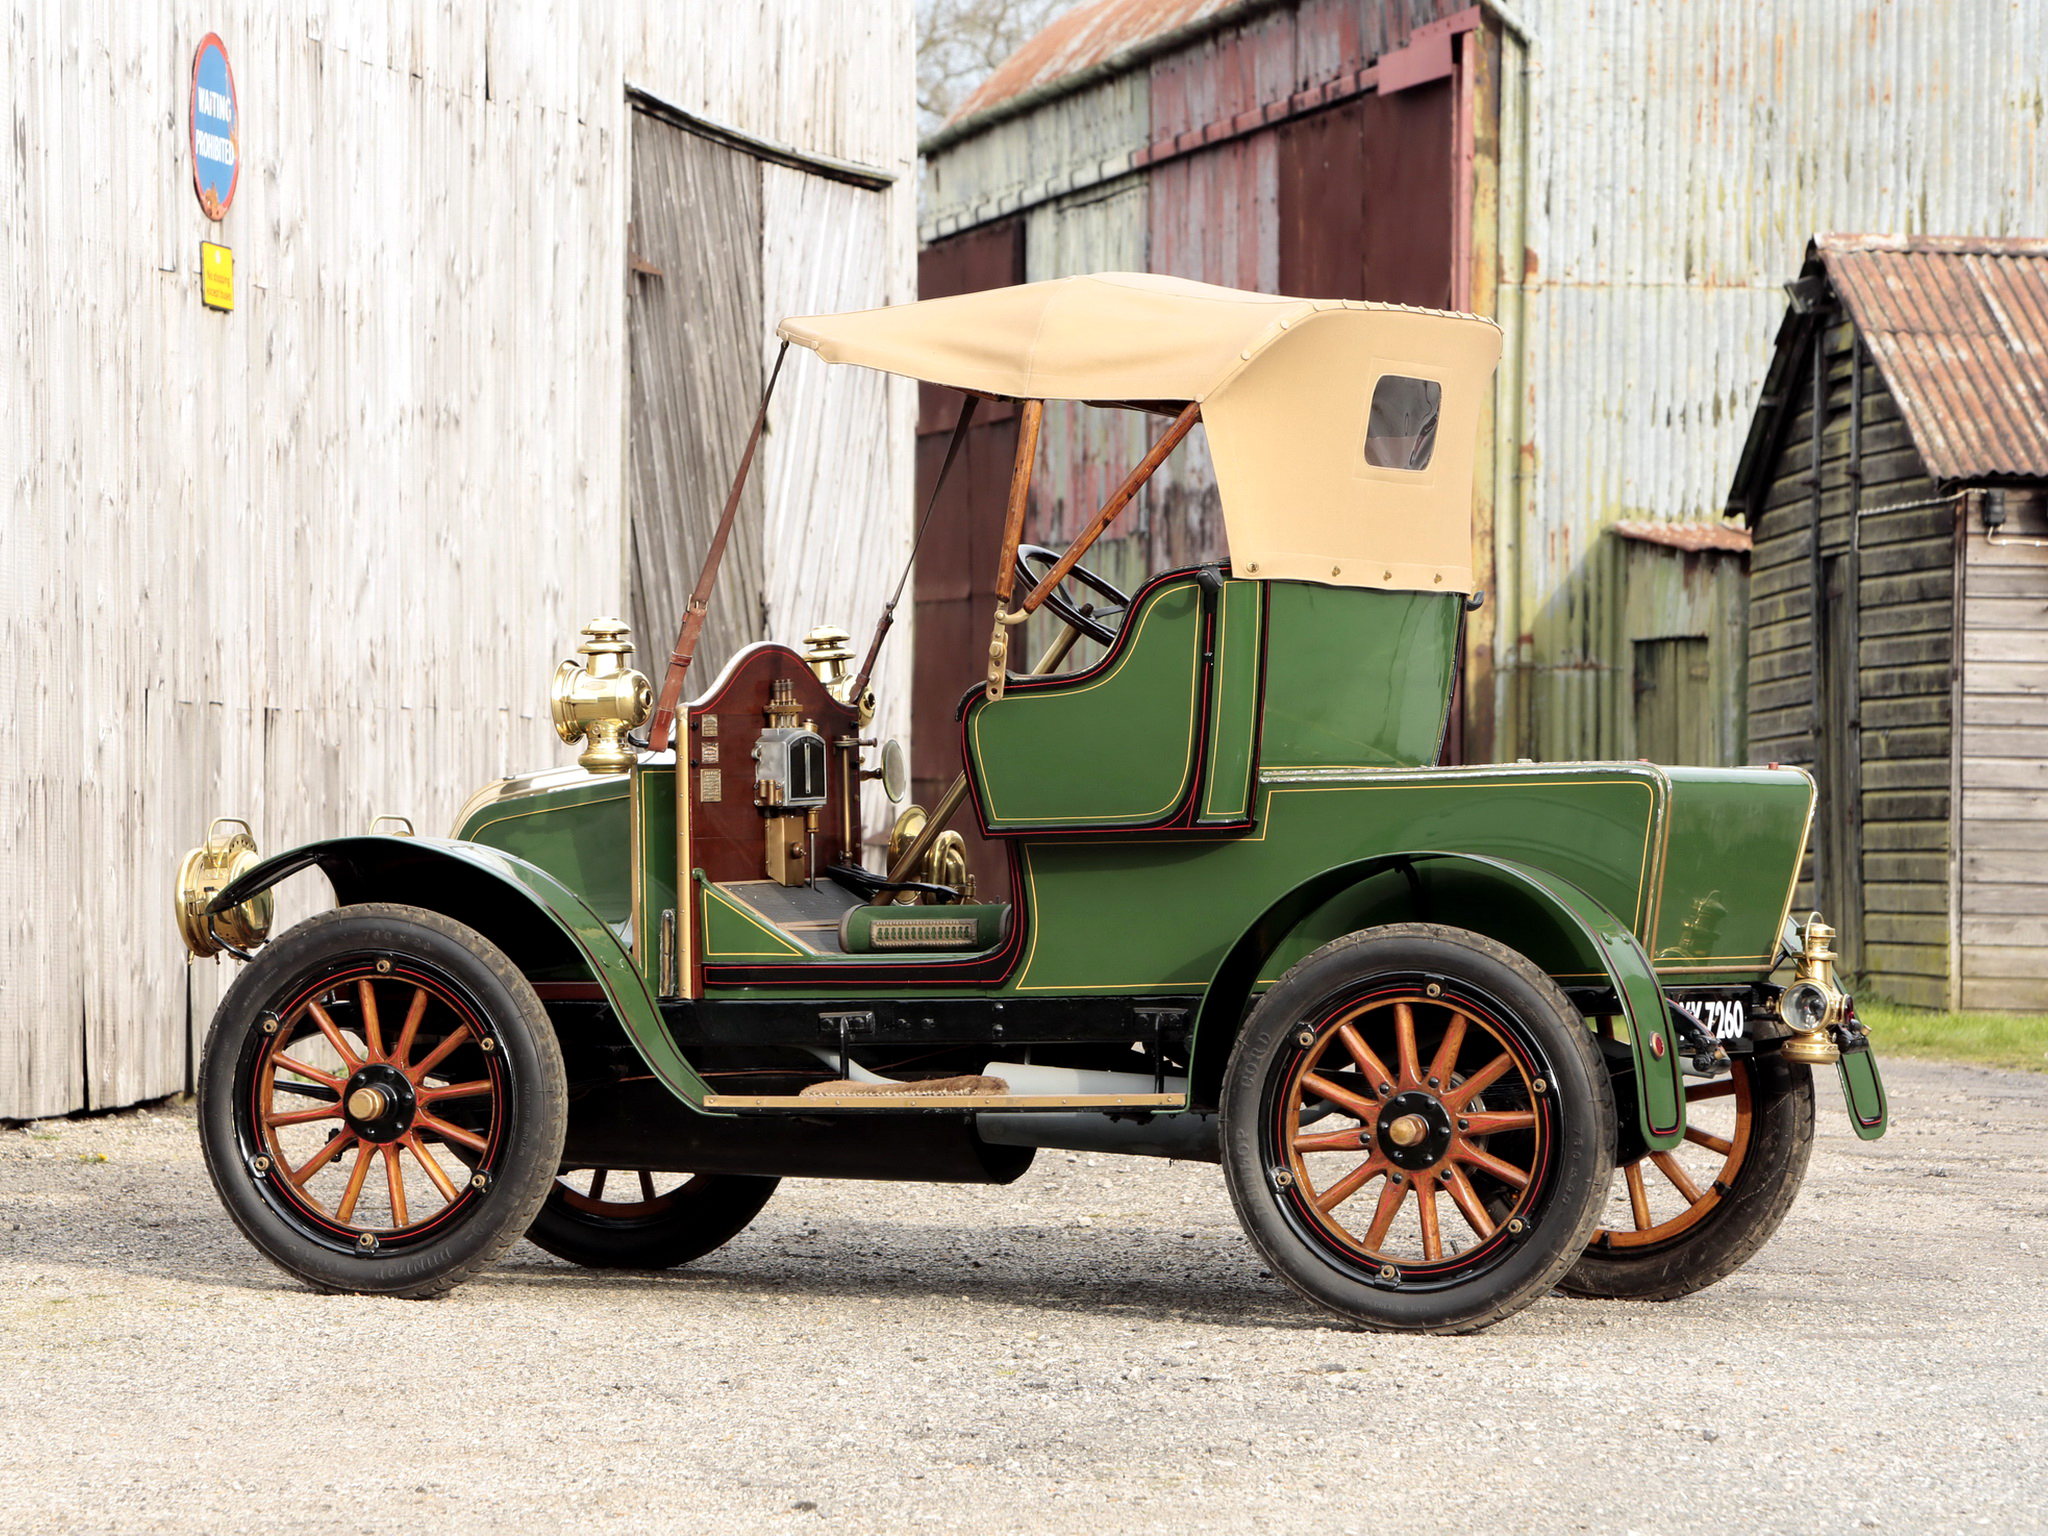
(216, 128)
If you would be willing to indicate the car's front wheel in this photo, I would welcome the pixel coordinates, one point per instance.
(382, 1101)
(1417, 1129)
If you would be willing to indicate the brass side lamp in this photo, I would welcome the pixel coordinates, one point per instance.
(1815, 1002)
(599, 699)
(207, 871)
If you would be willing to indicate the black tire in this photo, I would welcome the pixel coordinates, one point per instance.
(1736, 1209)
(1545, 1115)
(667, 1228)
(428, 1023)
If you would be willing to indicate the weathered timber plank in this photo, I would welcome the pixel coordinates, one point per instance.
(1770, 666)
(1906, 805)
(1929, 928)
(1982, 709)
(2003, 994)
(1982, 771)
(1787, 694)
(1983, 642)
(2007, 930)
(1988, 898)
(1907, 959)
(2012, 962)
(1934, 616)
(1905, 713)
(1913, 741)
(1906, 773)
(2004, 805)
(1882, 528)
(1905, 837)
(2020, 741)
(1924, 648)
(2027, 677)
(1899, 559)
(1927, 584)
(2030, 832)
(2023, 614)
(2003, 866)
(1899, 681)
(2006, 581)
(1908, 991)
(1893, 896)
(1901, 868)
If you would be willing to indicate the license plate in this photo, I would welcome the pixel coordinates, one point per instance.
(1724, 1018)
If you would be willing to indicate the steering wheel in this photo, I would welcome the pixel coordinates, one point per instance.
(1034, 560)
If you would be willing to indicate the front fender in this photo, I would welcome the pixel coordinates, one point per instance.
(1553, 922)
(520, 907)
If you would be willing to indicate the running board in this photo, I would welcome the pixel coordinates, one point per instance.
(812, 1103)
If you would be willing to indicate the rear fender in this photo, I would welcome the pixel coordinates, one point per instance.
(540, 923)
(1575, 940)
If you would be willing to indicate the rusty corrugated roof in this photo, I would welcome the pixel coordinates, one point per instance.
(1691, 537)
(1086, 36)
(1959, 328)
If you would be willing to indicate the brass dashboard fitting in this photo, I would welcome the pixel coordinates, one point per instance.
(599, 699)
(207, 871)
(827, 652)
(1814, 1003)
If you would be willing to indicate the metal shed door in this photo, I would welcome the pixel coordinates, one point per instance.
(694, 329)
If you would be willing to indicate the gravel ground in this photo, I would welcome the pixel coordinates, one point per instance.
(1093, 1347)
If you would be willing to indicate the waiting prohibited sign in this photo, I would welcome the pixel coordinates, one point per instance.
(216, 128)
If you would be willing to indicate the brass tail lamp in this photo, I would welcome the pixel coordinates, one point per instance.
(599, 699)
(1815, 1004)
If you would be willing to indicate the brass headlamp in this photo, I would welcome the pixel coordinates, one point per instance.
(207, 871)
(1814, 1003)
(599, 699)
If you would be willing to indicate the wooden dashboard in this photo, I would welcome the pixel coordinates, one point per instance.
(728, 829)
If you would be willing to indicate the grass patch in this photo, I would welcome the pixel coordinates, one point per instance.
(2016, 1041)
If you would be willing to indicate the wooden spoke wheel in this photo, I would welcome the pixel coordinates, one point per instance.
(1416, 1129)
(1677, 1221)
(606, 1218)
(381, 1100)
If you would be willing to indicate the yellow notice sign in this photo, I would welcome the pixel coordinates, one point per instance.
(216, 276)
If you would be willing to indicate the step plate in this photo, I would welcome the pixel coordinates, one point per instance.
(943, 1101)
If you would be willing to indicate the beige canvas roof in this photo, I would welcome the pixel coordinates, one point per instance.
(1286, 388)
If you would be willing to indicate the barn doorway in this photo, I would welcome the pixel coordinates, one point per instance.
(1674, 701)
(694, 325)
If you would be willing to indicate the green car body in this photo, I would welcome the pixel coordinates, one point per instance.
(1246, 775)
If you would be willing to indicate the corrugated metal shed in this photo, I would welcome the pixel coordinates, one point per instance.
(317, 558)
(1642, 178)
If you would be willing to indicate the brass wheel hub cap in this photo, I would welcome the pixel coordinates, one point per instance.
(379, 1103)
(1415, 1130)
(1407, 1130)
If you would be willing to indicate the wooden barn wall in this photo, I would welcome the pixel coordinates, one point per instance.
(317, 558)
(1881, 829)
(2001, 875)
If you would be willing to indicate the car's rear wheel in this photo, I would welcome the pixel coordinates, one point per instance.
(1417, 1129)
(1677, 1221)
(625, 1218)
(382, 1101)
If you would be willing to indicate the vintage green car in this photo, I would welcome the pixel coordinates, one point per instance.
(1419, 1014)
